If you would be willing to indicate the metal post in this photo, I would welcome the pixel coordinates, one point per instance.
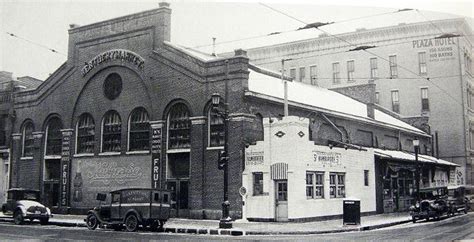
(285, 87)
(417, 174)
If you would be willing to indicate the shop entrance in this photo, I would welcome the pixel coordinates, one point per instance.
(179, 197)
(51, 177)
(281, 197)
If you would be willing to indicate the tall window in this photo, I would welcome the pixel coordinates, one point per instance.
(216, 128)
(54, 137)
(257, 183)
(366, 177)
(337, 185)
(422, 62)
(313, 74)
(373, 68)
(335, 73)
(395, 102)
(350, 71)
(293, 73)
(393, 66)
(425, 104)
(85, 134)
(377, 97)
(314, 184)
(302, 74)
(28, 139)
(179, 127)
(139, 137)
(111, 132)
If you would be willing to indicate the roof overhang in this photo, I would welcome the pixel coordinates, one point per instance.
(410, 157)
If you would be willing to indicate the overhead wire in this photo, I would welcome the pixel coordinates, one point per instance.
(35, 43)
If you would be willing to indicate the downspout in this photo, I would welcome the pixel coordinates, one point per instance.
(343, 137)
(463, 108)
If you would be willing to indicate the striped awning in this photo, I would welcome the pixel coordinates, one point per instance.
(278, 171)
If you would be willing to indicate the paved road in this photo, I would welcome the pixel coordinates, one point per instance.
(456, 228)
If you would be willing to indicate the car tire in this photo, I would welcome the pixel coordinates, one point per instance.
(18, 218)
(92, 221)
(413, 220)
(131, 223)
(44, 221)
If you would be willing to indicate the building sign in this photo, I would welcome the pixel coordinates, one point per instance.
(439, 49)
(111, 173)
(65, 163)
(117, 54)
(156, 137)
(327, 158)
(254, 158)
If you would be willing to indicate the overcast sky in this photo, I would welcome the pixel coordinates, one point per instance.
(194, 23)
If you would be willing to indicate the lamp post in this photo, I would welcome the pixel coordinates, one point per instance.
(416, 145)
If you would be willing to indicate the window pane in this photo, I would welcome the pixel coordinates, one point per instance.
(54, 137)
(302, 74)
(216, 129)
(313, 72)
(112, 131)
(28, 140)
(85, 134)
(257, 183)
(179, 127)
(139, 130)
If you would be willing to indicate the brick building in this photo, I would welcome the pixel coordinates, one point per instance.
(130, 109)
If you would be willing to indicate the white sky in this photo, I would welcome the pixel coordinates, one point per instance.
(194, 23)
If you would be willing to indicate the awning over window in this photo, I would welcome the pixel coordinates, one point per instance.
(405, 156)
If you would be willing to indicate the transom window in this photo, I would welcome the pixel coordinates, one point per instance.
(139, 137)
(28, 139)
(179, 127)
(85, 134)
(314, 184)
(337, 185)
(216, 129)
(111, 132)
(54, 137)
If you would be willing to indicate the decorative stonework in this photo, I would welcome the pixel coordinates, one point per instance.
(280, 134)
(301, 134)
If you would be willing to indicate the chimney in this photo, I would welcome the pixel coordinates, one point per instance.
(163, 25)
(240, 52)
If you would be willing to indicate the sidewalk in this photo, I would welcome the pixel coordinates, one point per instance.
(178, 225)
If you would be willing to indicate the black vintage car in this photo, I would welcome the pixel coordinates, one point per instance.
(457, 200)
(432, 203)
(24, 204)
(131, 207)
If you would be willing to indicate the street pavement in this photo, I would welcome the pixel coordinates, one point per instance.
(460, 227)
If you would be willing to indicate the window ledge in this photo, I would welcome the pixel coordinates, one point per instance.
(83, 155)
(137, 152)
(261, 195)
(109, 153)
(215, 148)
(52, 157)
(26, 158)
(178, 151)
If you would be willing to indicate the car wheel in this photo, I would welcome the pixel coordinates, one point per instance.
(413, 220)
(44, 221)
(131, 223)
(18, 218)
(91, 221)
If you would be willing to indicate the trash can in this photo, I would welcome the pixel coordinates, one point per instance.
(351, 211)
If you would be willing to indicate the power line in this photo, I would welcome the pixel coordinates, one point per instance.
(351, 44)
(34, 43)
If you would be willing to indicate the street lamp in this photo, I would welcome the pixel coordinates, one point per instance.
(416, 145)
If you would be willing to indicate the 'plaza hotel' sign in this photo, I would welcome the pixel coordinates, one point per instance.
(117, 54)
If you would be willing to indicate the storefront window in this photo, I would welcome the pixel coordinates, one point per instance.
(179, 127)
(111, 132)
(28, 140)
(337, 185)
(53, 137)
(257, 183)
(139, 137)
(314, 185)
(85, 134)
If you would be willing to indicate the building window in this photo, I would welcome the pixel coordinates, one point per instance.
(337, 185)
(112, 86)
(293, 73)
(216, 128)
(425, 104)
(302, 74)
(373, 68)
(335, 73)
(179, 128)
(366, 178)
(54, 137)
(422, 62)
(377, 97)
(350, 71)
(28, 139)
(139, 130)
(314, 185)
(313, 74)
(111, 132)
(257, 183)
(395, 102)
(393, 66)
(85, 134)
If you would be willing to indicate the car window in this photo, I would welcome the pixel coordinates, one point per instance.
(30, 196)
(115, 197)
(166, 198)
(156, 197)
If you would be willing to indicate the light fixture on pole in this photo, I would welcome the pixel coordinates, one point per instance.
(416, 145)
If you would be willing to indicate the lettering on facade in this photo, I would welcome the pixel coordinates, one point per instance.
(254, 158)
(439, 49)
(156, 156)
(117, 54)
(109, 172)
(330, 159)
(65, 160)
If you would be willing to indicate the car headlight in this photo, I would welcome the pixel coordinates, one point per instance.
(48, 211)
(417, 205)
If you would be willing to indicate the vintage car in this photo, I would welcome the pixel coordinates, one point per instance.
(457, 200)
(432, 203)
(131, 207)
(24, 204)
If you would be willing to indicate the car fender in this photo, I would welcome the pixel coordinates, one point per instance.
(96, 215)
(22, 209)
(133, 211)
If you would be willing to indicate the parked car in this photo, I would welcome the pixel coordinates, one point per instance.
(432, 203)
(469, 194)
(24, 204)
(457, 200)
(131, 207)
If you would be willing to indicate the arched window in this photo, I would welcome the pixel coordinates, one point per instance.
(28, 139)
(54, 136)
(111, 132)
(85, 134)
(139, 128)
(179, 127)
(216, 128)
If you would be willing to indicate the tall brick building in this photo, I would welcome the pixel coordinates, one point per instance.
(131, 109)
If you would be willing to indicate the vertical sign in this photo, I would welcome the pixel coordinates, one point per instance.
(156, 136)
(65, 165)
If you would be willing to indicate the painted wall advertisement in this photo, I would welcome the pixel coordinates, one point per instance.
(330, 159)
(104, 174)
(253, 158)
(437, 49)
